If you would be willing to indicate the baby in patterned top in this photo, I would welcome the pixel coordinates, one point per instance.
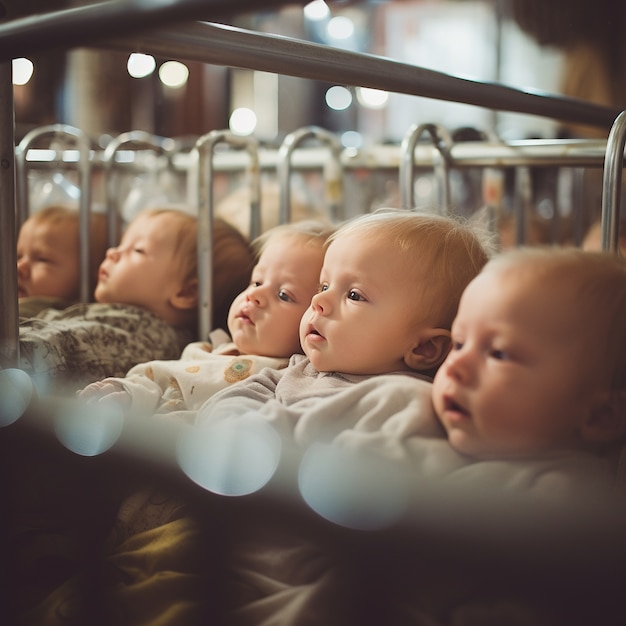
(263, 323)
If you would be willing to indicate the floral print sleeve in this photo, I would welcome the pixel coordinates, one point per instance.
(88, 342)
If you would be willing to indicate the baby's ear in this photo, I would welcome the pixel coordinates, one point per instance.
(431, 349)
(606, 422)
(187, 296)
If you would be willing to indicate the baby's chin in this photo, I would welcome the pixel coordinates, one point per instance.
(103, 296)
(321, 365)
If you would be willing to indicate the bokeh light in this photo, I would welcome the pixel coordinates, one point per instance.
(372, 98)
(22, 70)
(316, 10)
(89, 428)
(140, 65)
(242, 121)
(338, 98)
(16, 392)
(351, 490)
(235, 456)
(340, 27)
(352, 139)
(173, 74)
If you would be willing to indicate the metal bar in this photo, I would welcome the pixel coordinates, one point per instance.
(83, 168)
(138, 139)
(86, 25)
(283, 169)
(442, 142)
(530, 152)
(612, 184)
(85, 239)
(202, 154)
(236, 47)
(9, 345)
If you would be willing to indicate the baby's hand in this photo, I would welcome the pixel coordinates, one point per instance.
(108, 390)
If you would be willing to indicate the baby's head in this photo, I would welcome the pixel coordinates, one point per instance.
(537, 231)
(539, 355)
(235, 208)
(389, 290)
(233, 259)
(264, 318)
(592, 241)
(155, 267)
(48, 253)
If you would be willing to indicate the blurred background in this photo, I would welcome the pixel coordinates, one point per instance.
(575, 48)
(570, 47)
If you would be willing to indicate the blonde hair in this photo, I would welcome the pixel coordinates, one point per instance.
(58, 214)
(445, 251)
(310, 232)
(591, 286)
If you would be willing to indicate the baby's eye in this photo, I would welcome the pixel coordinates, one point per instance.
(457, 345)
(139, 250)
(322, 287)
(255, 283)
(500, 355)
(355, 295)
(284, 296)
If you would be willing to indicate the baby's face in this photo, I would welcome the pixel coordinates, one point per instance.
(364, 319)
(48, 260)
(514, 381)
(144, 269)
(264, 319)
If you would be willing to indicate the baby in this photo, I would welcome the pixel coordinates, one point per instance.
(538, 360)
(145, 309)
(263, 323)
(48, 258)
(592, 240)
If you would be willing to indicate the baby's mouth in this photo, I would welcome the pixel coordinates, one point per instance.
(246, 318)
(453, 406)
(311, 330)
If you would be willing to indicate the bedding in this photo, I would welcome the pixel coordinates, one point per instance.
(85, 342)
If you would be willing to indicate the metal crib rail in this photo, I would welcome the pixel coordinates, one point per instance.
(442, 142)
(237, 47)
(85, 25)
(332, 170)
(612, 184)
(138, 140)
(9, 346)
(65, 133)
(202, 154)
